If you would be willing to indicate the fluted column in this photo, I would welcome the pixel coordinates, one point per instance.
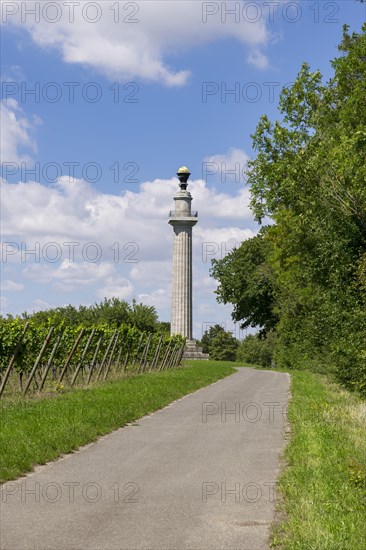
(182, 220)
(181, 321)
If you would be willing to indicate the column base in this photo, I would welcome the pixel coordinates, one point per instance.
(192, 351)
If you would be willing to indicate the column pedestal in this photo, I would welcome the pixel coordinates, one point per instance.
(193, 351)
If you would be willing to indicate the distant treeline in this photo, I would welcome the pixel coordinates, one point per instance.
(113, 312)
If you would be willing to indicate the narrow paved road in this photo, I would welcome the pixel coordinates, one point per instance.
(198, 474)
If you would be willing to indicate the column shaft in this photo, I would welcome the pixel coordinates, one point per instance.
(181, 322)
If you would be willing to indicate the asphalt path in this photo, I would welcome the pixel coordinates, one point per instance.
(198, 474)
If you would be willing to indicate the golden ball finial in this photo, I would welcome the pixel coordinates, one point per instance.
(184, 170)
(183, 176)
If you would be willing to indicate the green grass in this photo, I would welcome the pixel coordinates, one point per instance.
(323, 485)
(35, 431)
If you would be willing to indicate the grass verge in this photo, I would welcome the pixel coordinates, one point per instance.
(323, 486)
(35, 431)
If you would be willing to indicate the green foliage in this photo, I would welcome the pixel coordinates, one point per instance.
(221, 345)
(133, 324)
(244, 278)
(128, 346)
(209, 335)
(113, 312)
(257, 350)
(163, 327)
(143, 317)
(305, 275)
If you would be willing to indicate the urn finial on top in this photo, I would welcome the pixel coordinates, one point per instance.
(183, 176)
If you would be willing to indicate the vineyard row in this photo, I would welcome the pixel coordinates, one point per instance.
(38, 358)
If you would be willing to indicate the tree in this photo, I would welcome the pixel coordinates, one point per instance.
(223, 347)
(111, 311)
(220, 344)
(244, 278)
(256, 350)
(209, 335)
(309, 177)
(143, 317)
(163, 327)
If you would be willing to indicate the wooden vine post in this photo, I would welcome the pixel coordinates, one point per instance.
(156, 355)
(111, 357)
(137, 350)
(74, 347)
(48, 366)
(125, 363)
(180, 354)
(95, 356)
(38, 360)
(172, 357)
(80, 364)
(162, 366)
(106, 354)
(144, 354)
(12, 360)
(120, 353)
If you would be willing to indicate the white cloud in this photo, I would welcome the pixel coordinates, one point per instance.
(152, 272)
(216, 243)
(68, 274)
(12, 286)
(117, 287)
(227, 167)
(159, 298)
(40, 305)
(205, 285)
(122, 49)
(73, 211)
(258, 59)
(12, 73)
(16, 141)
(103, 279)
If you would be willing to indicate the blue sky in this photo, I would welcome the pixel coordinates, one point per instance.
(120, 104)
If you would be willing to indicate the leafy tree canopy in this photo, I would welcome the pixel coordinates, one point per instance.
(305, 275)
(244, 278)
(220, 344)
(208, 336)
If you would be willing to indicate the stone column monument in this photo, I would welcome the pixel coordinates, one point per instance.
(183, 219)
